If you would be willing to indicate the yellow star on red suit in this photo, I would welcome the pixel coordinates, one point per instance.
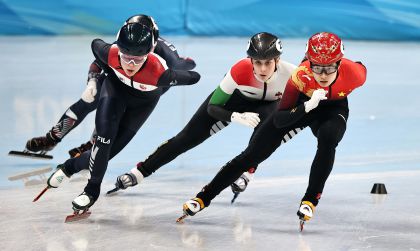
(341, 94)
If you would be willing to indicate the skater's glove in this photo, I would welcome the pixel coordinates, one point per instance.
(250, 119)
(317, 96)
(89, 93)
(185, 64)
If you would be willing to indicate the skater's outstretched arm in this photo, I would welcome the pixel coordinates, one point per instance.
(100, 50)
(168, 52)
(173, 77)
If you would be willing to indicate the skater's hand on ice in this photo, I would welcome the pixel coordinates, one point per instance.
(89, 93)
(317, 96)
(250, 119)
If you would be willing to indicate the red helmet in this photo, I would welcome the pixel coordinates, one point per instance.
(324, 48)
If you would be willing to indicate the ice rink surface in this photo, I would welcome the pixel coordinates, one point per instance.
(42, 76)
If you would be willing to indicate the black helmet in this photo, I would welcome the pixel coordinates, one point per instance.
(264, 45)
(147, 21)
(135, 39)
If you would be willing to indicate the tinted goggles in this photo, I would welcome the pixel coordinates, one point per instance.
(136, 60)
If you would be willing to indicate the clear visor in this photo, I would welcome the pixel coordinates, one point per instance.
(329, 69)
(136, 60)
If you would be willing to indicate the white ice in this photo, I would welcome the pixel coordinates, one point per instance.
(42, 76)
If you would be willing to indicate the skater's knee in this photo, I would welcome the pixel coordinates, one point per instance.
(82, 108)
(240, 164)
(331, 133)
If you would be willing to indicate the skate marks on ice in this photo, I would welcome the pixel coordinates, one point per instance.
(346, 218)
(284, 181)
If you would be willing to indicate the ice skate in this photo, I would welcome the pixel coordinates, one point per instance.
(27, 154)
(37, 148)
(126, 180)
(81, 206)
(240, 184)
(305, 212)
(190, 208)
(77, 151)
(54, 180)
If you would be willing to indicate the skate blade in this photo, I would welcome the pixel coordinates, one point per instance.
(77, 216)
(235, 195)
(112, 192)
(301, 224)
(180, 220)
(40, 194)
(26, 154)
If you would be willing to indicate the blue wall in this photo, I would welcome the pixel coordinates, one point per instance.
(351, 19)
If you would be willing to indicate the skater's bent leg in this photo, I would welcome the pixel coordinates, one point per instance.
(75, 165)
(199, 128)
(72, 118)
(329, 134)
(124, 136)
(265, 142)
(107, 122)
(171, 149)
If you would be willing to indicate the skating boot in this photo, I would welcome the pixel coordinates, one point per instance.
(57, 177)
(55, 180)
(41, 144)
(38, 147)
(82, 203)
(240, 184)
(129, 179)
(305, 212)
(190, 208)
(77, 151)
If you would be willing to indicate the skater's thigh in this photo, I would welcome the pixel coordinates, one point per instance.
(202, 125)
(266, 139)
(134, 117)
(124, 137)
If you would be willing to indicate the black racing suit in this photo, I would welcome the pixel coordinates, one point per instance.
(201, 126)
(328, 123)
(75, 114)
(122, 108)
